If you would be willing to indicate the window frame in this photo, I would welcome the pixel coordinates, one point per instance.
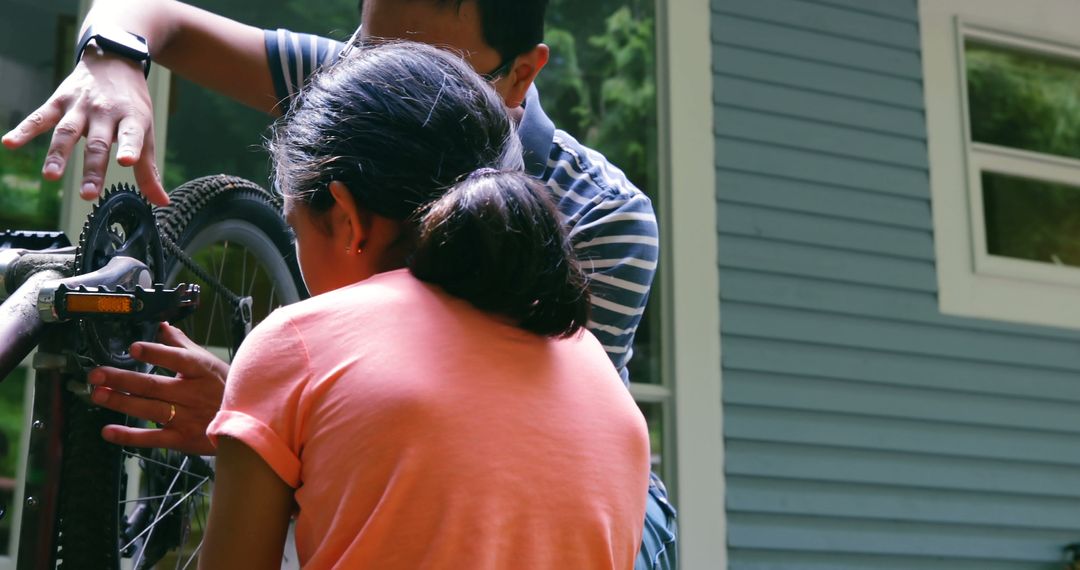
(689, 277)
(972, 282)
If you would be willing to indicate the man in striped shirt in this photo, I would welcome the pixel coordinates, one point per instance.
(610, 222)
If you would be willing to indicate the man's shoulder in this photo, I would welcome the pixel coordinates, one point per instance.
(586, 185)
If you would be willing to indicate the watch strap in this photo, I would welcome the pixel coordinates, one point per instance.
(105, 43)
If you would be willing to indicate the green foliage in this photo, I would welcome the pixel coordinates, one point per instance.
(1023, 101)
(1030, 219)
(1028, 102)
(12, 391)
(27, 201)
(600, 84)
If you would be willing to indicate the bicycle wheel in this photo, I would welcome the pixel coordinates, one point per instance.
(234, 244)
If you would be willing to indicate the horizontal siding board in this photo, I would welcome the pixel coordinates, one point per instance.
(874, 334)
(816, 46)
(740, 252)
(833, 233)
(882, 537)
(819, 77)
(780, 425)
(829, 108)
(863, 466)
(820, 167)
(749, 559)
(845, 500)
(897, 369)
(784, 194)
(868, 28)
(814, 135)
(924, 404)
(906, 10)
(865, 301)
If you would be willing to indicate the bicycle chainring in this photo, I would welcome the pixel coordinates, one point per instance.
(121, 224)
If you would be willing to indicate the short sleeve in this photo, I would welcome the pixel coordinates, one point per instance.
(294, 57)
(263, 400)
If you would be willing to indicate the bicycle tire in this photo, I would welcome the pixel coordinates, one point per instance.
(202, 215)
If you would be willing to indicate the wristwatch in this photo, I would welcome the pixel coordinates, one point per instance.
(117, 41)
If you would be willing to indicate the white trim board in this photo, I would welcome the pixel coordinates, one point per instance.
(972, 283)
(691, 287)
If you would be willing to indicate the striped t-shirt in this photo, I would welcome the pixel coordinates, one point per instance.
(610, 221)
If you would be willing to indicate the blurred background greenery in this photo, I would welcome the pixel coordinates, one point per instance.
(1028, 102)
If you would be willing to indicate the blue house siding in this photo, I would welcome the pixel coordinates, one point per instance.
(864, 429)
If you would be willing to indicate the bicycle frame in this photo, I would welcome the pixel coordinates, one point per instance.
(24, 325)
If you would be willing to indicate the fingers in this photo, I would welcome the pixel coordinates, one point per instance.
(138, 384)
(130, 134)
(183, 360)
(99, 139)
(173, 336)
(139, 437)
(147, 176)
(142, 408)
(38, 122)
(195, 443)
(67, 133)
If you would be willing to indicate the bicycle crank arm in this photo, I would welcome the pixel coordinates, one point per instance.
(119, 272)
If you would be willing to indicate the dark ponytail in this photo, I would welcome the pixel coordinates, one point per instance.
(495, 240)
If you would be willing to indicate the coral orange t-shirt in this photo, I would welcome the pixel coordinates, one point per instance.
(420, 432)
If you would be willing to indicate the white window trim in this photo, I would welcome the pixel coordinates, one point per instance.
(690, 288)
(971, 282)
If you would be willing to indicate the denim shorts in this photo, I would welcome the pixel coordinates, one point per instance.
(658, 542)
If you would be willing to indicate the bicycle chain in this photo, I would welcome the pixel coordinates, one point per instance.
(195, 268)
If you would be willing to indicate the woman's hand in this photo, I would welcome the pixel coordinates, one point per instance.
(195, 394)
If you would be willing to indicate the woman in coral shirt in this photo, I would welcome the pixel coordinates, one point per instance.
(437, 403)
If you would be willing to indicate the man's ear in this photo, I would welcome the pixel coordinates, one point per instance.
(522, 74)
(348, 220)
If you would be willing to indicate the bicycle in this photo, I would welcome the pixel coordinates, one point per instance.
(87, 503)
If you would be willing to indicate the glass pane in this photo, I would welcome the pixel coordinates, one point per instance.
(1031, 219)
(36, 41)
(654, 416)
(1023, 100)
(600, 86)
(12, 418)
(210, 133)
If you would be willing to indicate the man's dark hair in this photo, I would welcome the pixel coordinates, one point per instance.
(512, 27)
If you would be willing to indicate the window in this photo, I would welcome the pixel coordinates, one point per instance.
(600, 86)
(1003, 111)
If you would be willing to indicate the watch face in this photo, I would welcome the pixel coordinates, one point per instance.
(122, 40)
(129, 41)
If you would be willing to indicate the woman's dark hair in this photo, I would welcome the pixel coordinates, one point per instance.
(417, 135)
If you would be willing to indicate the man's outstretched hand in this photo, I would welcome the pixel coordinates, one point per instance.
(196, 393)
(106, 100)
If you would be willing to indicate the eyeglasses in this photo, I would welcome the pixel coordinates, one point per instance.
(494, 75)
(354, 41)
(499, 72)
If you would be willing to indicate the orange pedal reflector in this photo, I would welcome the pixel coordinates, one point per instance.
(99, 303)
